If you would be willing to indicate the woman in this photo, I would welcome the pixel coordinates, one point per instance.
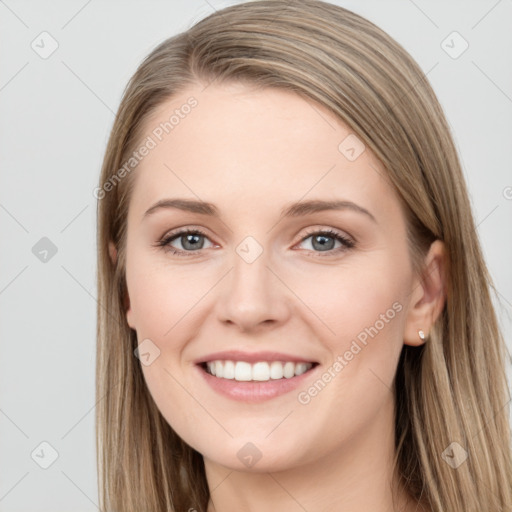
(294, 309)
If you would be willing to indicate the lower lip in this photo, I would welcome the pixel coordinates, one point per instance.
(252, 391)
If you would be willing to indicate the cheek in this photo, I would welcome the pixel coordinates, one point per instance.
(161, 298)
(360, 314)
(165, 303)
(352, 296)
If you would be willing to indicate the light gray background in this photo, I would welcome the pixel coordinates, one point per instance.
(56, 114)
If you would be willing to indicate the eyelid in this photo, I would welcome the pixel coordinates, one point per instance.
(347, 242)
(332, 231)
(170, 236)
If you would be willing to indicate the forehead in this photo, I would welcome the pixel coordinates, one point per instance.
(225, 142)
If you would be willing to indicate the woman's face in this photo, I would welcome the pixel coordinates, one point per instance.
(278, 276)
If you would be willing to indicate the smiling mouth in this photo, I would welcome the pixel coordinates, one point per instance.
(243, 371)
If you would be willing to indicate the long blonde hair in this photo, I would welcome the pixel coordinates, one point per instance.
(453, 389)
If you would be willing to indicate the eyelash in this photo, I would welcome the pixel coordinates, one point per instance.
(346, 242)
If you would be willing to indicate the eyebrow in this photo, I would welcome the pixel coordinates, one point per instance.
(298, 209)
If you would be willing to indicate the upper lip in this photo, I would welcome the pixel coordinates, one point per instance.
(251, 357)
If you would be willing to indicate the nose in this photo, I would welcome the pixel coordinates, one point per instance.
(252, 295)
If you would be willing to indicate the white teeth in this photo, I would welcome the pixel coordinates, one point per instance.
(242, 370)
(300, 368)
(260, 371)
(219, 369)
(229, 370)
(289, 370)
(276, 370)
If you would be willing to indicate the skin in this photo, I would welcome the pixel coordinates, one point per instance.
(251, 153)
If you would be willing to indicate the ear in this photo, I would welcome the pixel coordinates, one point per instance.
(112, 250)
(127, 307)
(129, 312)
(428, 295)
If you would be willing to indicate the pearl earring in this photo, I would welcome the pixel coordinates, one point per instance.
(421, 334)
